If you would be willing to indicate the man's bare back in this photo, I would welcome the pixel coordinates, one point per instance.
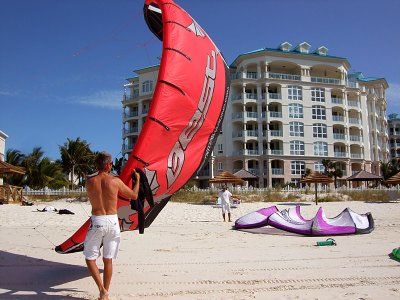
(103, 190)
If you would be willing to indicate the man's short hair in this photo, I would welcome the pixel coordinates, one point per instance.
(102, 159)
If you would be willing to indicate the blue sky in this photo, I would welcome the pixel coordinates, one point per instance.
(63, 63)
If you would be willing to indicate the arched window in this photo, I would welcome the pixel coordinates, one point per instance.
(296, 129)
(147, 86)
(296, 111)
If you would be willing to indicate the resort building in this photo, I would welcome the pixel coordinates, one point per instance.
(394, 135)
(3, 138)
(289, 108)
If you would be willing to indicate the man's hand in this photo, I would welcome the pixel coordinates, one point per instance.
(137, 176)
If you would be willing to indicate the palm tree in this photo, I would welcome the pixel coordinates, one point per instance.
(118, 164)
(41, 171)
(76, 159)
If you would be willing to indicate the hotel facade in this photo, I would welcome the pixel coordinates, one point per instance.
(289, 108)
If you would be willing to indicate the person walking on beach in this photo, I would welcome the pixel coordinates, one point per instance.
(102, 189)
(225, 196)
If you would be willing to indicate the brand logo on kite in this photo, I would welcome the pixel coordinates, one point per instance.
(176, 158)
(196, 29)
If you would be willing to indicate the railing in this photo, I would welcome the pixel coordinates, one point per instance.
(277, 171)
(60, 192)
(325, 80)
(274, 96)
(276, 133)
(10, 193)
(131, 97)
(354, 120)
(337, 100)
(340, 154)
(339, 136)
(284, 76)
(355, 138)
(352, 103)
(338, 118)
(352, 84)
(356, 155)
(275, 114)
(276, 152)
(131, 114)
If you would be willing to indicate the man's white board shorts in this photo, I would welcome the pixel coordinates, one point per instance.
(226, 207)
(103, 230)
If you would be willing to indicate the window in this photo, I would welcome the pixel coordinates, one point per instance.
(296, 129)
(220, 148)
(297, 167)
(318, 112)
(318, 94)
(295, 111)
(320, 148)
(295, 92)
(220, 166)
(319, 130)
(296, 147)
(319, 167)
(147, 86)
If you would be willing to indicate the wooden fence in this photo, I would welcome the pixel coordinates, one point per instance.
(10, 194)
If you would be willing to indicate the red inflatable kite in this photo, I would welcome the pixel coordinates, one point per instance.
(183, 122)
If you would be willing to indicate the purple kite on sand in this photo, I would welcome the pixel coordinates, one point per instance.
(347, 222)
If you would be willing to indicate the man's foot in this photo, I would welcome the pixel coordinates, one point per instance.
(104, 295)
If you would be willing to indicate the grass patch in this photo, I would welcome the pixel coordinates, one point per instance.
(367, 195)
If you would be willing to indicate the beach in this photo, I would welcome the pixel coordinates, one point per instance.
(190, 253)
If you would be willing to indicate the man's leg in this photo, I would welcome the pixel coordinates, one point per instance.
(94, 271)
(108, 269)
(229, 216)
(223, 215)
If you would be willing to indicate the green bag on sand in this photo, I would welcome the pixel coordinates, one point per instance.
(328, 242)
(396, 253)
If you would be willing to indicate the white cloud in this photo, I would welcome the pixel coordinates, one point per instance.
(7, 93)
(105, 99)
(393, 98)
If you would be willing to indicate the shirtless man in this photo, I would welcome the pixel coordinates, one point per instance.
(102, 189)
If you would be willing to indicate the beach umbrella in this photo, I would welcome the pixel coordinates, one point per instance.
(364, 176)
(8, 168)
(316, 177)
(226, 177)
(395, 179)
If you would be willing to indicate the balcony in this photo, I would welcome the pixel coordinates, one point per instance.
(283, 76)
(131, 114)
(354, 121)
(355, 138)
(275, 114)
(337, 100)
(277, 171)
(245, 133)
(352, 103)
(274, 96)
(351, 84)
(245, 152)
(339, 136)
(276, 133)
(133, 97)
(132, 130)
(340, 154)
(338, 118)
(356, 155)
(325, 80)
(276, 152)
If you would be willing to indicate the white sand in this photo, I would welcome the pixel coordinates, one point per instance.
(189, 253)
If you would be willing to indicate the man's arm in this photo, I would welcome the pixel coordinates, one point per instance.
(126, 191)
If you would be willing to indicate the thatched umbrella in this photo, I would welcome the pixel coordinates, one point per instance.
(226, 177)
(395, 179)
(364, 176)
(316, 177)
(8, 168)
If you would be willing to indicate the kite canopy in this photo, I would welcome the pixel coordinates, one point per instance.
(184, 118)
(347, 222)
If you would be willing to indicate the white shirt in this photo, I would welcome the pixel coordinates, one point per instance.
(225, 196)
